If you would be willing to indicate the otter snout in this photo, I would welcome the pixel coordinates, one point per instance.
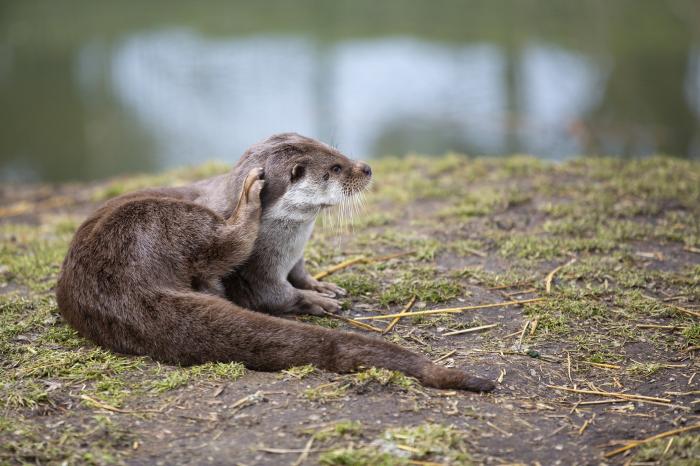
(364, 168)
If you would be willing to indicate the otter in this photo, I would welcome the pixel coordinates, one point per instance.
(205, 272)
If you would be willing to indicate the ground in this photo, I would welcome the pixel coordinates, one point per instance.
(611, 248)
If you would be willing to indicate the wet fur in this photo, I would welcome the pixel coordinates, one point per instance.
(169, 273)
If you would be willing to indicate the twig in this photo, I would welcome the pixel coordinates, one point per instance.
(624, 396)
(452, 310)
(469, 330)
(406, 308)
(358, 260)
(692, 249)
(550, 275)
(353, 322)
(636, 443)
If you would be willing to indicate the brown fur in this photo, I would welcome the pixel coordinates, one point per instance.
(143, 275)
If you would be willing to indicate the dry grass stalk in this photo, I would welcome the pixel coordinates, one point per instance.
(533, 326)
(285, 451)
(636, 443)
(512, 285)
(304, 454)
(522, 335)
(602, 402)
(668, 446)
(550, 275)
(102, 405)
(405, 309)
(686, 311)
(452, 310)
(358, 260)
(678, 308)
(585, 425)
(624, 396)
(666, 327)
(515, 293)
(692, 392)
(354, 323)
(476, 252)
(601, 365)
(445, 356)
(469, 330)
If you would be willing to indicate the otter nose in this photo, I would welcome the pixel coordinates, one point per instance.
(366, 169)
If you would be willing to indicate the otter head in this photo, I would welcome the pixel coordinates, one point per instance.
(303, 175)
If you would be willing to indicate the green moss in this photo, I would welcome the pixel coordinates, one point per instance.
(683, 451)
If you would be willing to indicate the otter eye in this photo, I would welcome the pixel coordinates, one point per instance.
(336, 168)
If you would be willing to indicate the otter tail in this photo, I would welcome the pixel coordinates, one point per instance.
(195, 328)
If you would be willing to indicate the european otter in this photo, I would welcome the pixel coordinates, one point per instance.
(149, 273)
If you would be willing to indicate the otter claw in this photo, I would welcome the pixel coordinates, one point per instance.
(254, 175)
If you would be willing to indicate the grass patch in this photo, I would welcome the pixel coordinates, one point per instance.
(424, 284)
(383, 377)
(182, 376)
(684, 451)
(340, 429)
(426, 442)
(300, 372)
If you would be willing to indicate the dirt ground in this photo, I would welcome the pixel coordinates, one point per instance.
(606, 253)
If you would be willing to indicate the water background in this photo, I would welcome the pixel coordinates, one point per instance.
(90, 88)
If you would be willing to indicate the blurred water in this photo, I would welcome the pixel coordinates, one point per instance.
(113, 90)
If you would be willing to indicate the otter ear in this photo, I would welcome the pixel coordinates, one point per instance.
(297, 172)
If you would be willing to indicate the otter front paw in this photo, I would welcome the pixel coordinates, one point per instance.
(314, 303)
(328, 289)
(248, 208)
(253, 185)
